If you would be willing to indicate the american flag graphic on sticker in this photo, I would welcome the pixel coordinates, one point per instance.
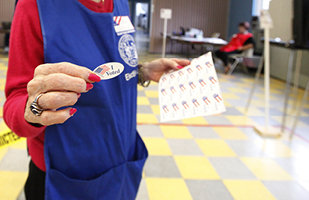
(102, 69)
(109, 70)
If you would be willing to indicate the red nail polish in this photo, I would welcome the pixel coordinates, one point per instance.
(94, 77)
(73, 111)
(179, 67)
(89, 86)
(78, 95)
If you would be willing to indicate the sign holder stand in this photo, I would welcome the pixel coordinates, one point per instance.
(165, 14)
(267, 130)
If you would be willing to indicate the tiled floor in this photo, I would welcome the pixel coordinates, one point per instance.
(214, 157)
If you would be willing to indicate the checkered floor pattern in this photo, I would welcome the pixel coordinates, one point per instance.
(213, 157)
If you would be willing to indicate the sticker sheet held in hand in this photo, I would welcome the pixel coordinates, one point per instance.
(191, 91)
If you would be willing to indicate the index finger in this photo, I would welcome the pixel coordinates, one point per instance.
(181, 62)
(66, 68)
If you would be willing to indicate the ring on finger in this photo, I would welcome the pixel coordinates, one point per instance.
(35, 108)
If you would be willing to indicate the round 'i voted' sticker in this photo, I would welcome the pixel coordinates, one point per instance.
(109, 70)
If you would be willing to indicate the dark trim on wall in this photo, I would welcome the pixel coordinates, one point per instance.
(239, 11)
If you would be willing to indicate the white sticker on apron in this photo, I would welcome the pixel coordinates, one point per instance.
(123, 25)
(109, 70)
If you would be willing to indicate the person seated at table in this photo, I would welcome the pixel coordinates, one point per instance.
(239, 42)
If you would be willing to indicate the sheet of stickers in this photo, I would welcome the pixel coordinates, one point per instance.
(191, 91)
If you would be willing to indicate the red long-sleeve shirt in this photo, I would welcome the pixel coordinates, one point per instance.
(26, 53)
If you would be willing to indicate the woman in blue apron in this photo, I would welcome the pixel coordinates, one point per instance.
(97, 153)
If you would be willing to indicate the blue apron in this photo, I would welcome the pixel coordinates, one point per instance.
(97, 153)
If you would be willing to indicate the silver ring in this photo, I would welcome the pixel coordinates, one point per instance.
(35, 108)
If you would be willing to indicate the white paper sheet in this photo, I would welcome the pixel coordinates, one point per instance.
(191, 91)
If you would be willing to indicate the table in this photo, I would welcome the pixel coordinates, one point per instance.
(198, 41)
(5, 30)
(191, 40)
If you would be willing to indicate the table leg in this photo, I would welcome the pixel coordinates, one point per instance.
(296, 76)
(300, 109)
(287, 88)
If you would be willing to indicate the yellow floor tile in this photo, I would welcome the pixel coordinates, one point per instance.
(277, 85)
(266, 169)
(230, 96)
(238, 90)
(157, 146)
(175, 131)
(195, 167)
(142, 101)
(240, 120)
(244, 85)
(152, 94)
(21, 144)
(226, 103)
(11, 184)
(274, 148)
(252, 111)
(146, 118)
(153, 83)
(155, 109)
(247, 80)
(215, 147)
(248, 190)
(167, 189)
(262, 96)
(140, 88)
(230, 133)
(3, 126)
(274, 90)
(195, 121)
(257, 102)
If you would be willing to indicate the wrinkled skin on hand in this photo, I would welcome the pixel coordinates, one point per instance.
(61, 85)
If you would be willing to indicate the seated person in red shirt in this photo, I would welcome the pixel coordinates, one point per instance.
(239, 42)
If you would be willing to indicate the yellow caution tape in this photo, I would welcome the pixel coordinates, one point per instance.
(7, 138)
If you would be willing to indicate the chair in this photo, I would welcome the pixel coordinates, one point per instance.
(215, 35)
(238, 58)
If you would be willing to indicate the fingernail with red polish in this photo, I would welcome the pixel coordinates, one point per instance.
(94, 77)
(179, 67)
(73, 111)
(89, 86)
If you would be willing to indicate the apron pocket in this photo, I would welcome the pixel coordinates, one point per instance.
(119, 183)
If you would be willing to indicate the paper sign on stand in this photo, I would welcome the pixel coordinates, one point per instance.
(191, 91)
(165, 14)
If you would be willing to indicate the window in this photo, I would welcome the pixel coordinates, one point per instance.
(259, 5)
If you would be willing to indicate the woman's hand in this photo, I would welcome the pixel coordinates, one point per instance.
(156, 68)
(61, 85)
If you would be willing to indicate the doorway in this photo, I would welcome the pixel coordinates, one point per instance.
(140, 17)
(142, 27)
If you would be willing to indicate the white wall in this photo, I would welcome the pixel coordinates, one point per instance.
(281, 12)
